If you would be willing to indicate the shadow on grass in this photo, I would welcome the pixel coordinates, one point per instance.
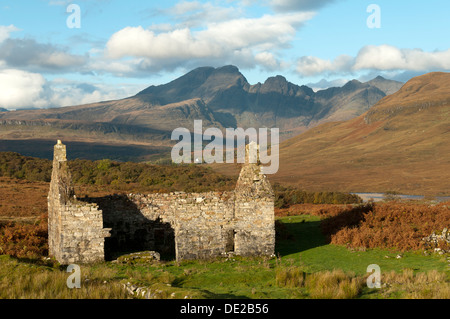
(347, 219)
(295, 237)
(297, 233)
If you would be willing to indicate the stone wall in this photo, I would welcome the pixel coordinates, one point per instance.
(82, 234)
(200, 220)
(75, 229)
(254, 213)
(180, 225)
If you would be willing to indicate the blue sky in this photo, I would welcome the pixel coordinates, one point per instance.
(122, 47)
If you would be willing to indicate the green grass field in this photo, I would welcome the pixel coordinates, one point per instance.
(309, 249)
(305, 267)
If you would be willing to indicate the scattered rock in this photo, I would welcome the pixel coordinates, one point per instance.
(434, 241)
(139, 257)
(141, 292)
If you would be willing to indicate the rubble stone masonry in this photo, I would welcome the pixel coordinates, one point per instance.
(180, 225)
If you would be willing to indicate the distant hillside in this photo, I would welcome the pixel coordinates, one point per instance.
(387, 86)
(400, 144)
(274, 103)
(221, 97)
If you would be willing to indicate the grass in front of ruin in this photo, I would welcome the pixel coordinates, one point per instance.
(307, 264)
(305, 267)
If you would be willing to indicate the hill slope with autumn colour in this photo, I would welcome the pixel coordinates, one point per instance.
(401, 144)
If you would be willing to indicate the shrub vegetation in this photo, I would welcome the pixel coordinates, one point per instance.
(344, 220)
(387, 225)
(143, 177)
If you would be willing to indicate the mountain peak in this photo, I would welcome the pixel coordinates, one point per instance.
(276, 79)
(276, 84)
(387, 86)
(201, 82)
(353, 85)
(228, 69)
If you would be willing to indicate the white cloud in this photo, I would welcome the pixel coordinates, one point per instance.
(269, 31)
(195, 13)
(380, 58)
(138, 42)
(5, 31)
(64, 92)
(20, 89)
(267, 60)
(310, 65)
(76, 94)
(196, 34)
(104, 65)
(386, 57)
(38, 56)
(238, 40)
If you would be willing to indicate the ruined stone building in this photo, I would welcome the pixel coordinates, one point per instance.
(177, 225)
